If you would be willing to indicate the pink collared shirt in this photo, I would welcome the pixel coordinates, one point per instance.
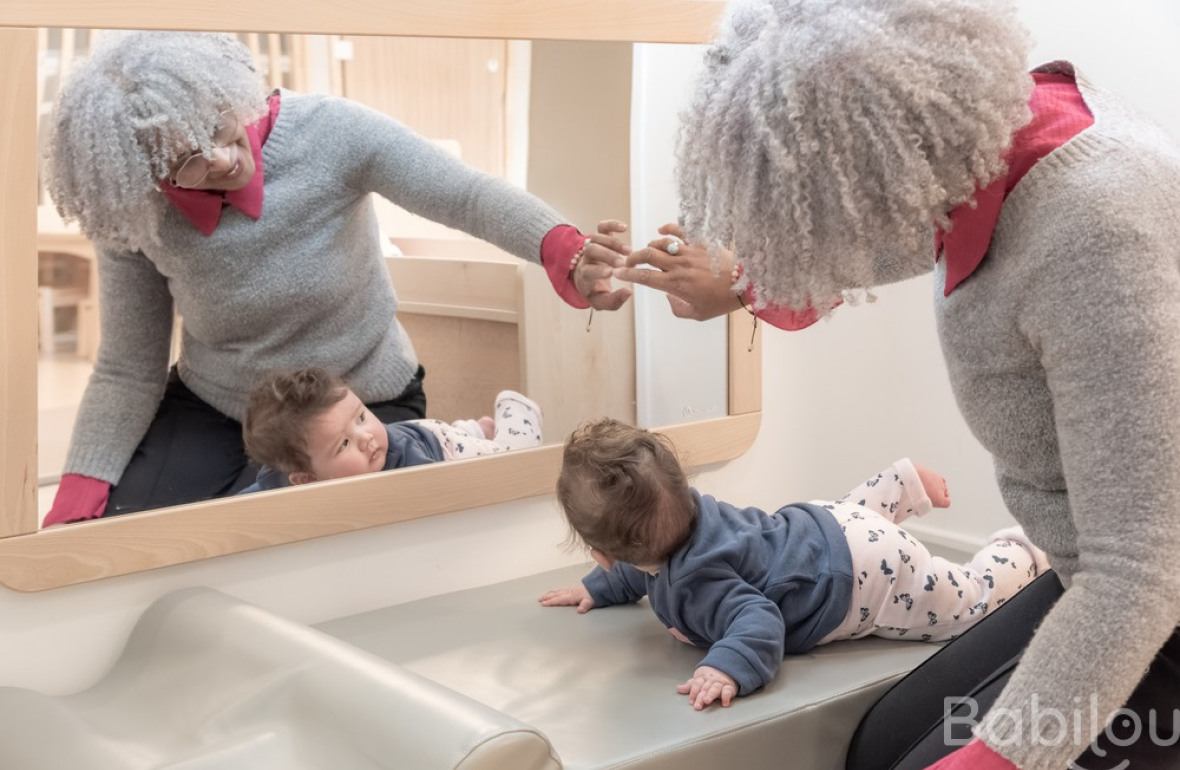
(203, 207)
(1059, 114)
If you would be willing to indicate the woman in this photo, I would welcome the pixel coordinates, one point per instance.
(249, 214)
(829, 146)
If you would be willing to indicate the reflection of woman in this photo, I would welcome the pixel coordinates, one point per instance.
(250, 216)
(827, 145)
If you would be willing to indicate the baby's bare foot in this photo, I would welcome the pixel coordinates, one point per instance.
(488, 425)
(935, 486)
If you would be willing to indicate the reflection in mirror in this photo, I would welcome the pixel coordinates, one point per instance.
(556, 118)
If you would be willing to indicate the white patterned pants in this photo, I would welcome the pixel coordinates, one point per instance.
(900, 590)
(518, 426)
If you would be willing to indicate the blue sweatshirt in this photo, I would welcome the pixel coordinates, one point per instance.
(748, 586)
(409, 444)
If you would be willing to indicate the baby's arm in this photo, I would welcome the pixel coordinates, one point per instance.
(622, 584)
(900, 491)
(751, 635)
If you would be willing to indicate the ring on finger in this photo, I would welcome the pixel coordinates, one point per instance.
(672, 246)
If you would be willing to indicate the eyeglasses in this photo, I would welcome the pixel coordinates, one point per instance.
(193, 168)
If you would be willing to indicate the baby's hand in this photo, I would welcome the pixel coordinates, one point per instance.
(935, 486)
(568, 597)
(707, 685)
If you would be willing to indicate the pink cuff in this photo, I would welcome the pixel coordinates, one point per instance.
(976, 755)
(78, 498)
(558, 248)
(782, 317)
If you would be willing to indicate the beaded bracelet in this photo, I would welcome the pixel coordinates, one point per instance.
(577, 260)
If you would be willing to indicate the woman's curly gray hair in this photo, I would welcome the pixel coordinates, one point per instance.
(127, 114)
(827, 138)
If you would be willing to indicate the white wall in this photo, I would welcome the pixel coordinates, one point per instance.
(1127, 47)
(840, 400)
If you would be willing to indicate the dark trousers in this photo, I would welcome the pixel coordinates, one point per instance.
(905, 729)
(193, 452)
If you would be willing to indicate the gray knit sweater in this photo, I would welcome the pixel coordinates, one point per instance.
(1064, 354)
(305, 285)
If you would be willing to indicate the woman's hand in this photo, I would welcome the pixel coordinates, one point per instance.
(686, 276)
(602, 253)
(577, 596)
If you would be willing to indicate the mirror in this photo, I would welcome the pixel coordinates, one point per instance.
(480, 319)
(540, 140)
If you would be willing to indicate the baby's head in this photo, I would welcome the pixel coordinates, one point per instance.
(624, 494)
(311, 426)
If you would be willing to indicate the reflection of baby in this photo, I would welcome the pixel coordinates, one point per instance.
(307, 425)
(749, 586)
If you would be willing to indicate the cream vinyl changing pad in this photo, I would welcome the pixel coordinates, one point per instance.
(483, 678)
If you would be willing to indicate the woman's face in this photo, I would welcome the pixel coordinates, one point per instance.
(230, 167)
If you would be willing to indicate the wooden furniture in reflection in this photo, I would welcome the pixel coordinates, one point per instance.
(486, 322)
(63, 281)
(57, 237)
(438, 87)
(54, 239)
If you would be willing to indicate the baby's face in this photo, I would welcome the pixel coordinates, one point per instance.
(346, 440)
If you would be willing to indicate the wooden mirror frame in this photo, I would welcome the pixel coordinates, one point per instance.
(32, 560)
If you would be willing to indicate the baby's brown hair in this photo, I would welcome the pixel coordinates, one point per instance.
(278, 413)
(624, 493)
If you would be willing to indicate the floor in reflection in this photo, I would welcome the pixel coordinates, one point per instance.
(61, 379)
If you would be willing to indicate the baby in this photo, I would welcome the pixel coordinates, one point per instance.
(307, 425)
(751, 587)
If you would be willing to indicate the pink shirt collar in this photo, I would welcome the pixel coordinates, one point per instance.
(1059, 113)
(203, 207)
